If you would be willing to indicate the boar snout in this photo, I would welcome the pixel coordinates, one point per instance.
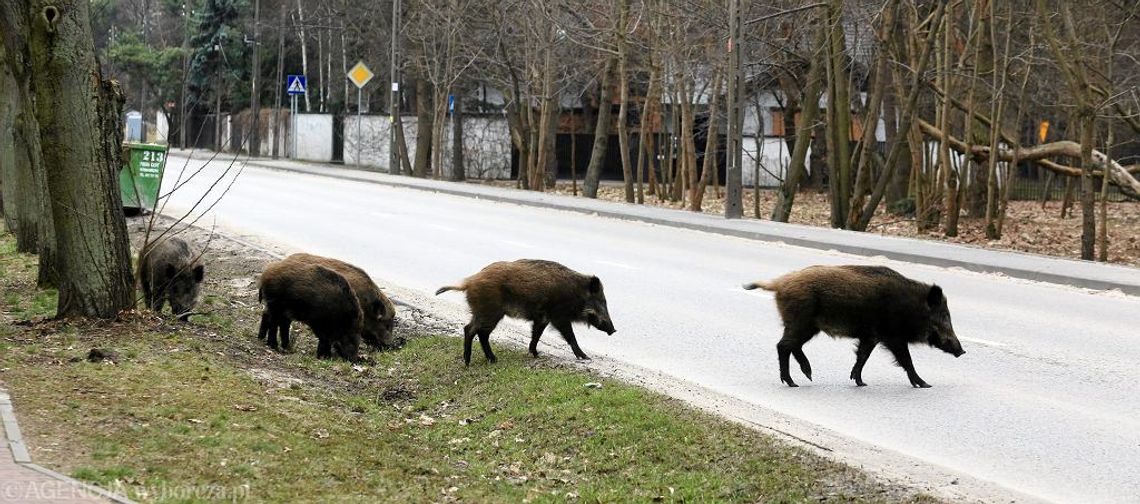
(600, 323)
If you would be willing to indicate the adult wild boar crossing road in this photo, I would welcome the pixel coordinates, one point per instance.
(1045, 403)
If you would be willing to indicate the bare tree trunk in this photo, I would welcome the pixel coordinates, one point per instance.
(320, 72)
(993, 232)
(255, 92)
(26, 193)
(688, 142)
(839, 103)
(1088, 211)
(601, 135)
(80, 131)
(458, 171)
(423, 127)
(304, 51)
(623, 111)
(697, 191)
(645, 138)
(1102, 230)
(867, 142)
(948, 172)
(782, 210)
(909, 110)
(545, 153)
(277, 133)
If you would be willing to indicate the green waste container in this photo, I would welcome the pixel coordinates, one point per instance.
(141, 178)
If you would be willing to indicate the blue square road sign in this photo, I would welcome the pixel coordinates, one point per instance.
(295, 84)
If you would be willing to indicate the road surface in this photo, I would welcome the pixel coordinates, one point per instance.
(1045, 402)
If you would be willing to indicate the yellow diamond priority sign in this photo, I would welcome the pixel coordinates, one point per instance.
(360, 74)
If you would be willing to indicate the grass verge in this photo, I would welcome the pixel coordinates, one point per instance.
(202, 412)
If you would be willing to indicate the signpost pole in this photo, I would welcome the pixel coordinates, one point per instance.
(293, 127)
(359, 75)
(359, 121)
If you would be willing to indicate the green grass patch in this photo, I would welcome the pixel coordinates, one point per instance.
(202, 412)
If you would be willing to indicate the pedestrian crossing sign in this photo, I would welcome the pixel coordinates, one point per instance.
(295, 84)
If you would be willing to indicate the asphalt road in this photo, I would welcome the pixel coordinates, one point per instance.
(1045, 402)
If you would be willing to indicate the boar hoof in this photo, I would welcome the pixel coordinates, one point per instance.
(921, 384)
(789, 381)
(582, 356)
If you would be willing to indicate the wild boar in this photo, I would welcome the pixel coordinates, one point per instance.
(872, 304)
(171, 271)
(379, 312)
(543, 292)
(315, 295)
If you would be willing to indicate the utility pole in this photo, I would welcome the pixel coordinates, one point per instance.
(255, 95)
(143, 94)
(394, 94)
(733, 203)
(280, 82)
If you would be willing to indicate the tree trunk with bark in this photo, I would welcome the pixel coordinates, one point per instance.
(423, 127)
(601, 134)
(458, 171)
(697, 191)
(29, 190)
(839, 106)
(803, 122)
(80, 133)
(623, 90)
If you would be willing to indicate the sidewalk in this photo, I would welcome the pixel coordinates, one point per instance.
(1018, 265)
(21, 481)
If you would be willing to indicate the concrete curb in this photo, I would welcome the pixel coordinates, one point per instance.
(1014, 264)
(20, 454)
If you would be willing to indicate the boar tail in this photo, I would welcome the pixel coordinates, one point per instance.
(760, 284)
(450, 288)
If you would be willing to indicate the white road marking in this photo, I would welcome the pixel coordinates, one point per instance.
(617, 265)
(980, 341)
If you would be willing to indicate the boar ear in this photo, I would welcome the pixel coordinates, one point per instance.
(199, 273)
(171, 271)
(595, 285)
(934, 297)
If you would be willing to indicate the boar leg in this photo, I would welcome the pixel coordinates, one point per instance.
(324, 348)
(283, 330)
(468, 337)
(567, 332)
(793, 342)
(536, 333)
(801, 358)
(902, 356)
(267, 326)
(862, 352)
(148, 293)
(485, 342)
(481, 327)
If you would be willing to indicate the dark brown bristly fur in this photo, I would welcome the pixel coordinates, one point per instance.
(315, 295)
(543, 292)
(379, 312)
(873, 304)
(169, 271)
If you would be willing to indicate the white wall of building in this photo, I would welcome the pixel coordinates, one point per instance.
(486, 144)
(314, 137)
(161, 128)
(772, 162)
